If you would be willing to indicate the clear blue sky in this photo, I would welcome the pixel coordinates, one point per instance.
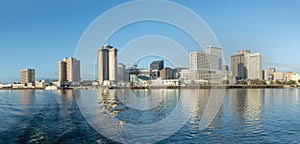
(37, 34)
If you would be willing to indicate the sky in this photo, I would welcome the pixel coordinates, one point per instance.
(37, 34)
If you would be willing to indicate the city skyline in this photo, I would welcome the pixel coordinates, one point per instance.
(35, 33)
(108, 66)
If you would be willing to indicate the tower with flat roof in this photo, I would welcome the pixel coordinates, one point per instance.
(27, 76)
(69, 70)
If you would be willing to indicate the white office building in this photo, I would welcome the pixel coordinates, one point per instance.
(255, 66)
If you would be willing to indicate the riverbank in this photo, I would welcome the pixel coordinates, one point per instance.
(173, 87)
(22, 88)
(203, 87)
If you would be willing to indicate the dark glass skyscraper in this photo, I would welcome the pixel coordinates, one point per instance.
(157, 65)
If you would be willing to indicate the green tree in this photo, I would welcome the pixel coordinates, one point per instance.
(255, 81)
(291, 82)
(131, 83)
(278, 82)
(243, 82)
(175, 82)
(225, 81)
(263, 82)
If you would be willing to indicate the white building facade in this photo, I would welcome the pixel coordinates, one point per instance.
(107, 64)
(255, 66)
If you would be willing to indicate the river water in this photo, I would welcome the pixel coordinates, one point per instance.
(80, 116)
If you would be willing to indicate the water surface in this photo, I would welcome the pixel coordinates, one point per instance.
(246, 116)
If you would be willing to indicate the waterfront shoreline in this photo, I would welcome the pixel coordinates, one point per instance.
(203, 87)
(173, 87)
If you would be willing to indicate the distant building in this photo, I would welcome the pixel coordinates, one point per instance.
(265, 74)
(217, 52)
(272, 70)
(245, 65)
(214, 76)
(255, 66)
(239, 64)
(167, 82)
(281, 76)
(225, 68)
(177, 72)
(121, 72)
(69, 70)
(127, 75)
(62, 71)
(271, 73)
(205, 66)
(157, 65)
(268, 74)
(199, 60)
(294, 77)
(167, 73)
(107, 63)
(27, 76)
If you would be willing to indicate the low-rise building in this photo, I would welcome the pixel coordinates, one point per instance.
(196, 82)
(5, 85)
(281, 76)
(292, 76)
(18, 86)
(30, 85)
(40, 84)
(213, 76)
(164, 82)
(167, 73)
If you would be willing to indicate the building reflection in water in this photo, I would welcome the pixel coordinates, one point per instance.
(68, 93)
(108, 99)
(238, 99)
(269, 98)
(122, 111)
(108, 115)
(246, 109)
(254, 105)
(197, 112)
(27, 98)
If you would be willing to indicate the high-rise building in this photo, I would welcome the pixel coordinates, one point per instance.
(272, 70)
(281, 76)
(69, 70)
(206, 60)
(245, 65)
(199, 60)
(121, 72)
(239, 66)
(27, 76)
(167, 73)
(62, 71)
(217, 52)
(107, 63)
(157, 65)
(255, 66)
(268, 74)
(265, 74)
(205, 65)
